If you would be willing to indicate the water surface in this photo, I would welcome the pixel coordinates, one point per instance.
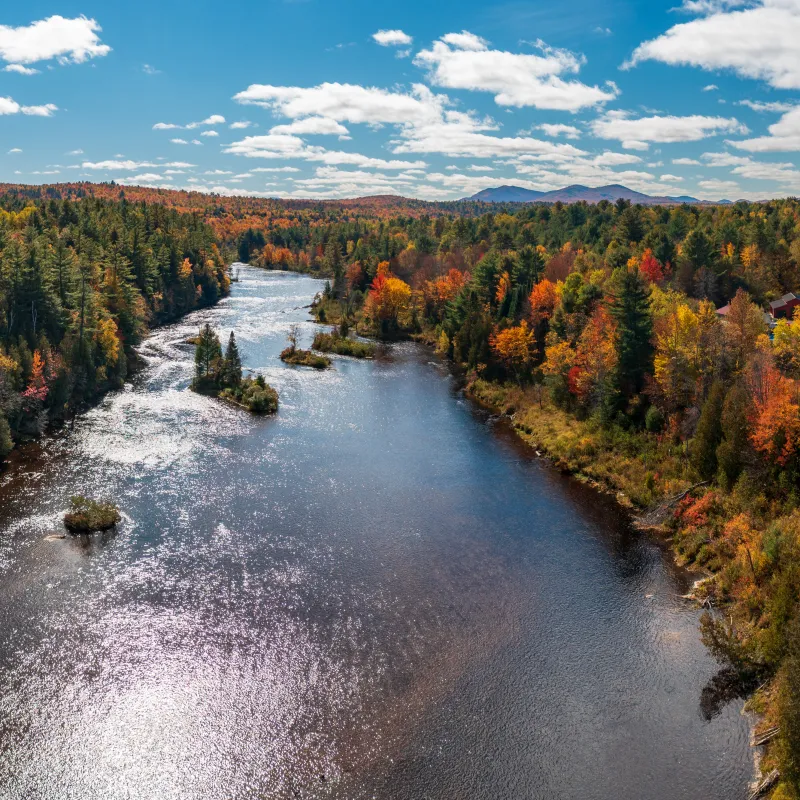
(374, 595)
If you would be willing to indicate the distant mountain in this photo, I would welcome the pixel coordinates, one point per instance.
(507, 194)
(574, 194)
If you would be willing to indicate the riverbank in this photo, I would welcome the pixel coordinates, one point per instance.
(644, 471)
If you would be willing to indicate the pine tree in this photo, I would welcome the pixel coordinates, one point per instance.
(630, 309)
(207, 356)
(709, 433)
(232, 366)
(735, 427)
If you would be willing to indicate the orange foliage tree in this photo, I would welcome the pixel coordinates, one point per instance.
(515, 348)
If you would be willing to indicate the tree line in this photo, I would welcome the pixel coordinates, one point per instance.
(80, 283)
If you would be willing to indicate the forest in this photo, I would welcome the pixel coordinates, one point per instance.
(650, 350)
(80, 284)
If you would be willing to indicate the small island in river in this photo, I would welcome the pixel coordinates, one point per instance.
(302, 358)
(221, 376)
(89, 516)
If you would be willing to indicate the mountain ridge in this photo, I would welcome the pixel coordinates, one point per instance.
(575, 193)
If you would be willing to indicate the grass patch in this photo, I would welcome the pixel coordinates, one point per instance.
(343, 345)
(637, 464)
(304, 358)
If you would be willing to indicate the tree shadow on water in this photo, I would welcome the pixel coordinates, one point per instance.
(727, 685)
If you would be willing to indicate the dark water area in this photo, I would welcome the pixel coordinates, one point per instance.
(375, 594)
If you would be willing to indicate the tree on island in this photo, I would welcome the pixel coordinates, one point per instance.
(207, 357)
(232, 364)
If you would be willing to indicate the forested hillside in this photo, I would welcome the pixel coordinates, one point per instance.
(80, 282)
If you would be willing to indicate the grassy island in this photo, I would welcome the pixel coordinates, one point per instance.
(88, 516)
(302, 358)
(343, 345)
(221, 376)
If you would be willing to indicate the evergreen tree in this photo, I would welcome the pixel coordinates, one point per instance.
(630, 309)
(731, 452)
(232, 365)
(709, 433)
(207, 356)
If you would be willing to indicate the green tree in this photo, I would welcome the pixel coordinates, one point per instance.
(735, 429)
(207, 356)
(630, 309)
(709, 433)
(232, 364)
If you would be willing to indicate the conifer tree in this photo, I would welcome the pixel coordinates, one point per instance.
(709, 433)
(207, 355)
(630, 309)
(232, 366)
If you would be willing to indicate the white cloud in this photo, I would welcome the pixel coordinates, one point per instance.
(218, 172)
(670, 178)
(68, 40)
(214, 119)
(776, 107)
(287, 146)
(20, 69)
(174, 171)
(46, 110)
(238, 126)
(78, 152)
(10, 106)
(465, 41)
(312, 125)
(179, 141)
(784, 136)
(149, 176)
(687, 162)
(759, 41)
(635, 134)
(464, 61)
(718, 187)
(131, 165)
(478, 168)
(782, 172)
(346, 102)
(568, 131)
(14, 150)
(209, 133)
(149, 69)
(712, 87)
(392, 38)
(275, 169)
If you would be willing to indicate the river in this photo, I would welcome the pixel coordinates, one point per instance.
(375, 594)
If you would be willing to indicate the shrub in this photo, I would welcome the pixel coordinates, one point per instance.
(654, 420)
(86, 515)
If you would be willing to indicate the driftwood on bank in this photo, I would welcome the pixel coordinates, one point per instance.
(765, 736)
(765, 785)
(657, 515)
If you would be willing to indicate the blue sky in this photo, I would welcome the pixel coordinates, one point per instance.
(307, 98)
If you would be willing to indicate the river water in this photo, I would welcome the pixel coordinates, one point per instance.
(375, 594)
